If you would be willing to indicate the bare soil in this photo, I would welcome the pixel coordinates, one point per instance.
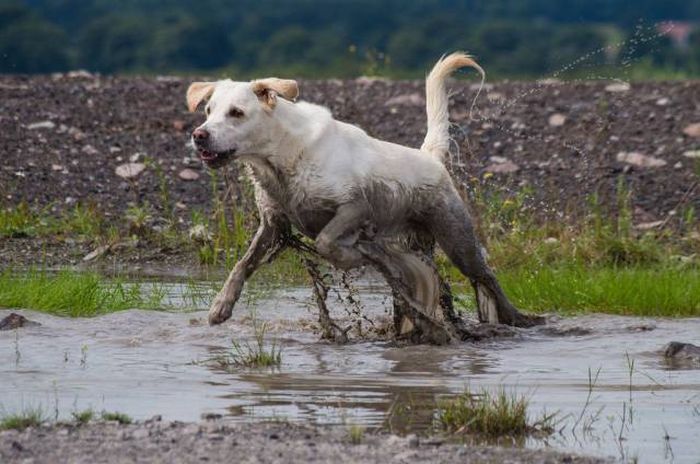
(93, 123)
(157, 441)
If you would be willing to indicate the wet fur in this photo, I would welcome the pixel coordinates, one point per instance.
(341, 187)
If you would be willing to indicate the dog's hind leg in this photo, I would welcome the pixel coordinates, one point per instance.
(269, 240)
(453, 229)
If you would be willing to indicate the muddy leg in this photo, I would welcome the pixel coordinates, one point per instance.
(329, 329)
(267, 243)
(415, 288)
(454, 232)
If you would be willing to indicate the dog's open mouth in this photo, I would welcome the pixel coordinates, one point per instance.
(213, 158)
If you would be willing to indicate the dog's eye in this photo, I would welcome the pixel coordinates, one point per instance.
(235, 113)
(207, 110)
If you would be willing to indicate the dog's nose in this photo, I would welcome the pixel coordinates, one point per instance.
(200, 135)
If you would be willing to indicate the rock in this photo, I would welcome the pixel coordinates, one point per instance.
(129, 170)
(90, 150)
(649, 225)
(557, 120)
(41, 125)
(136, 157)
(96, 253)
(662, 101)
(638, 159)
(692, 130)
(617, 87)
(682, 352)
(407, 99)
(57, 167)
(188, 174)
(498, 159)
(15, 321)
(508, 167)
(199, 233)
(693, 154)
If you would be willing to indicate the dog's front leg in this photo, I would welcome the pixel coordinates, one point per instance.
(269, 240)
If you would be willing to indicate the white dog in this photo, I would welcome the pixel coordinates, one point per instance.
(336, 184)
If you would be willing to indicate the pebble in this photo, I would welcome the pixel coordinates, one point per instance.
(637, 159)
(90, 150)
(557, 120)
(617, 87)
(57, 167)
(188, 174)
(662, 101)
(129, 170)
(693, 154)
(692, 130)
(411, 99)
(41, 125)
(507, 167)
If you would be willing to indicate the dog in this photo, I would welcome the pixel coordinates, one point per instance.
(337, 185)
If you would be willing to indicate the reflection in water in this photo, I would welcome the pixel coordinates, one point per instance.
(141, 363)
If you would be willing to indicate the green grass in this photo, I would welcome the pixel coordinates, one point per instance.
(28, 417)
(491, 415)
(71, 293)
(259, 354)
(117, 417)
(671, 292)
(356, 434)
(84, 416)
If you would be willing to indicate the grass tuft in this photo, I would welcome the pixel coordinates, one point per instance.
(356, 434)
(249, 355)
(120, 417)
(83, 417)
(491, 415)
(29, 417)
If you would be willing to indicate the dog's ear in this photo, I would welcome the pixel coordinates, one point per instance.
(197, 92)
(268, 89)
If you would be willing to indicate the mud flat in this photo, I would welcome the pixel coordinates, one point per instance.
(156, 441)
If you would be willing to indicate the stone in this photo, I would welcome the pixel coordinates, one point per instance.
(662, 101)
(41, 125)
(411, 99)
(692, 154)
(680, 351)
(129, 170)
(96, 253)
(199, 233)
(507, 167)
(498, 159)
(637, 159)
(557, 120)
(692, 130)
(649, 225)
(15, 321)
(617, 87)
(57, 167)
(188, 174)
(90, 150)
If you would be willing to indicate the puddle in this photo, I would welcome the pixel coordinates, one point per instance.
(141, 363)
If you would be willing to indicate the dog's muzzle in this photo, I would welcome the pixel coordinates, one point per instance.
(214, 159)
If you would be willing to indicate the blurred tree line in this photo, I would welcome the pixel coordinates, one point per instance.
(514, 38)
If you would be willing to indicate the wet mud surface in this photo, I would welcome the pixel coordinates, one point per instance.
(145, 363)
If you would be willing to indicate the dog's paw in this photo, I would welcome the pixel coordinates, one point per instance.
(220, 311)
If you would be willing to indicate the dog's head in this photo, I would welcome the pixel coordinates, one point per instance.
(238, 116)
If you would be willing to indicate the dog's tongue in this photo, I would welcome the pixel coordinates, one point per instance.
(207, 155)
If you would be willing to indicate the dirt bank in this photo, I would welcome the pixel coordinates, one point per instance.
(63, 137)
(157, 441)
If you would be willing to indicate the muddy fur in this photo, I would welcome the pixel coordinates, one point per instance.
(358, 198)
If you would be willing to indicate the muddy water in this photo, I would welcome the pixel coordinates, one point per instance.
(144, 363)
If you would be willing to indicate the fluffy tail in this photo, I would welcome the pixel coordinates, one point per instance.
(437, 140)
